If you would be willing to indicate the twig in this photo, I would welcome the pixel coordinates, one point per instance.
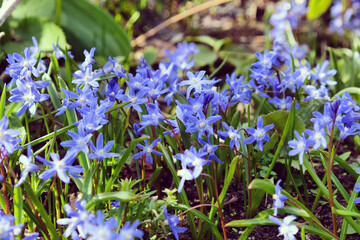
(6, 9)
(175, 19)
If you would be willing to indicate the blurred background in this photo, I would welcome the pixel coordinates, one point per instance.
(222, 29)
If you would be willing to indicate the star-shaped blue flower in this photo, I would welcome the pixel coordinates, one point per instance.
(258, 134)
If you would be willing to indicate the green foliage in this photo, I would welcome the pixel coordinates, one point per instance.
(317, 8)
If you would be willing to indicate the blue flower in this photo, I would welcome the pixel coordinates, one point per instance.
(7, 137)
(134, 99)
(299, 146)
(348, 130)
(31, 236)
(209, 149)
(148, 150)
(286, 229)
(195, 82)
(186, 175)
(7, 229)
(232, 134)
(283, 103)
(27, 63)
(100, 152)
(259, 134)
(153, 118)
(79, 142)
(79, 219)
(28, 166)
(193, 159)
(28, 96)
(129, 231)
(88, 58)
(322, 75)
(113, 66)
(321, 93)
(60, 167)
(266, 60)
(101, 229)
(87, 77)
(318, 136)
(279, 198)
(85, 97)
(112, 89)
(173, 221)
(201, 124)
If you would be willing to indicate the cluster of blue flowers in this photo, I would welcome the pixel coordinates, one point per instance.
(8, 230)
(345, 18)
(341, 113)
(277, 75)
(83, 224)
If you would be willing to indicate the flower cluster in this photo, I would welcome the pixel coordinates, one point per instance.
(341, 114)
(83, 224)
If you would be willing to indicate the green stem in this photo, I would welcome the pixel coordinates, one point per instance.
(328, 175)
(292, 179)
(305, 186)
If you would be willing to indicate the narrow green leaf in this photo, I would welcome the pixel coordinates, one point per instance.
(123, 196)
(87, 184)
(18, 205)
(268, 187)
(53, 94)
(154, 176)
(316, 8)
(203, 217)
(49, 136)
(289, 122)
(250, 222)
(118, 168)
(345, 213)
(47, 220)
(225, 188)
(326, 193)
(318, 232)
(184, 135)
(2, 101)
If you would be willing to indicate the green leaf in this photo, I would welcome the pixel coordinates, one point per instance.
(184, 135)
(279, 118)
(205, 56)
(150, 55)
(35, 8)
(2, 101)
(87, 26)
(46, 33)
(53, 94)
(316, 8)
(18, 205)
(203, 217)
(46, 218)
(87, 185)
(16, 124)
(49, 136)
(154, 176)
(118, 168)
(250, 222)
(345, 213)
(309, 107)
(123, 196)
(268, 187)
(326, 193)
